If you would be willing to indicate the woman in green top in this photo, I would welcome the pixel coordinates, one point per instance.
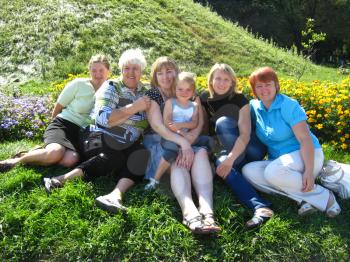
(70, 114)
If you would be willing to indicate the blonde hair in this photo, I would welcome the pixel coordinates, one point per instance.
(228, 70)
(189, 78)
(158, 65)
(132, 56)
(99, 58)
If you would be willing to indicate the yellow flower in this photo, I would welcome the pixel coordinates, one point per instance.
(344, 146)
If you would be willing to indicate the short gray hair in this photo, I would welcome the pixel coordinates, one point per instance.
(132, 56)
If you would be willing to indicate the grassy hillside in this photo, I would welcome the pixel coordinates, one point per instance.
(49, 39)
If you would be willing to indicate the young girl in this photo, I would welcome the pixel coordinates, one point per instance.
(180, 115)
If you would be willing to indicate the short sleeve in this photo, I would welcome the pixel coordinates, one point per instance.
(292, 112)
(106, 100)
(68, 93)
(253, 104)
(155, 95)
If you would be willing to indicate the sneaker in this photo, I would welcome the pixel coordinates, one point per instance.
(109, 205)
(334, 209)
(51, 183)
(152, 184)
(306, 209)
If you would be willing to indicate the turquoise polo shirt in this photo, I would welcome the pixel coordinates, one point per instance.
(274, 126)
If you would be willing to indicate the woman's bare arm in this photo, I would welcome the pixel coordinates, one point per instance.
(244, 126)
(56, 110)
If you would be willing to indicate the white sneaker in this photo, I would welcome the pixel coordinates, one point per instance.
(51, 183)
(152, 184)
(306, 209)
(108, 204)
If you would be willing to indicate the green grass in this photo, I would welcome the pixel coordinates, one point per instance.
(67, 226)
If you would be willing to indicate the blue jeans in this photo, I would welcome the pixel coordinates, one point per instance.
(170, 149)
(152, 143)
(226, 129)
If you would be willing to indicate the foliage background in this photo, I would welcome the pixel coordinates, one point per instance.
(283, 21)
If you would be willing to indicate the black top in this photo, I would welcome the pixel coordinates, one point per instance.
(155, 95)
(223, 106)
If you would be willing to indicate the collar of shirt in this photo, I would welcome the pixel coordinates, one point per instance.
(276, 104)
(124, 88)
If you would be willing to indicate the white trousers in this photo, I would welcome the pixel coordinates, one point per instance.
(284, 176)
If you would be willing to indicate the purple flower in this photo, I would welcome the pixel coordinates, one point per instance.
(29, 134)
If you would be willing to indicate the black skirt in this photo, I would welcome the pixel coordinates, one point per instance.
(63, 132)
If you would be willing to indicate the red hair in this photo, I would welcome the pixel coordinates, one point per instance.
(263, 74)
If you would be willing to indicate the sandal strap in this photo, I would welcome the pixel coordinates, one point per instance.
(259, 218)
(188, 222)
(210, 223)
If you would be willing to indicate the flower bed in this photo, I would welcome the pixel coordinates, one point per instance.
(327, 106)
(23, 117)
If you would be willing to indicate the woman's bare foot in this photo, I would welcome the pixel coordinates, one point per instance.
(8, 164)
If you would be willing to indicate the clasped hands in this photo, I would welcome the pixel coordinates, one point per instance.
(143, 103)
(308, 182)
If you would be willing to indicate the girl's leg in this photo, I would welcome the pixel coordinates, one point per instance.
(162, 168)
(202, 179)
(181, 187)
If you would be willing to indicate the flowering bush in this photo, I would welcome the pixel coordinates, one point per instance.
(327, 106)
(23, 117)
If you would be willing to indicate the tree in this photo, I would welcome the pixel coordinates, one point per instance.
(284, 20)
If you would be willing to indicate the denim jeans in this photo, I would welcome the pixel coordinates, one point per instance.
(152, 143)
(170, 149)
(226, 129)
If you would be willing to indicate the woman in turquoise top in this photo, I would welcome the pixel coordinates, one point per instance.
(295, 156)
(70, 114)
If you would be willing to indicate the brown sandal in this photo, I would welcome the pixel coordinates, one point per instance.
(209, 223)
(200, 229)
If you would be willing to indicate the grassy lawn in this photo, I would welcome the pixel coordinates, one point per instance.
(67, 226)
